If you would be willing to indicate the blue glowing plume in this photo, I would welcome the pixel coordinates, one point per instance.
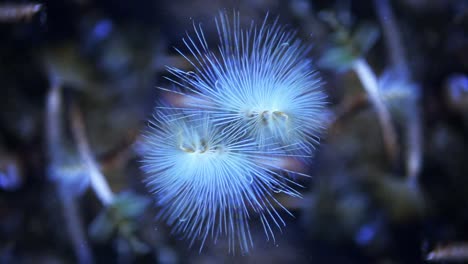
(231, 137)
(208, 182)
(258, 79)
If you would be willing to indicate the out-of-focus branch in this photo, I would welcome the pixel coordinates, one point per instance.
(400, 65)
(370, 84)
(97, 179)
(53, 121)
(414, 145)
(75, 226)
(10, 12)
(392, 36)
(457, 252)
(54, 141)
(349, 106)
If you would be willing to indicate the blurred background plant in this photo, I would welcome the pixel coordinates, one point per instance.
(78, 82)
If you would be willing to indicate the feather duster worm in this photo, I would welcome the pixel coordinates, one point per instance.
(233, 134)
(258, 79)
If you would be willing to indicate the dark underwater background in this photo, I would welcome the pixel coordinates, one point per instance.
(84, 72)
